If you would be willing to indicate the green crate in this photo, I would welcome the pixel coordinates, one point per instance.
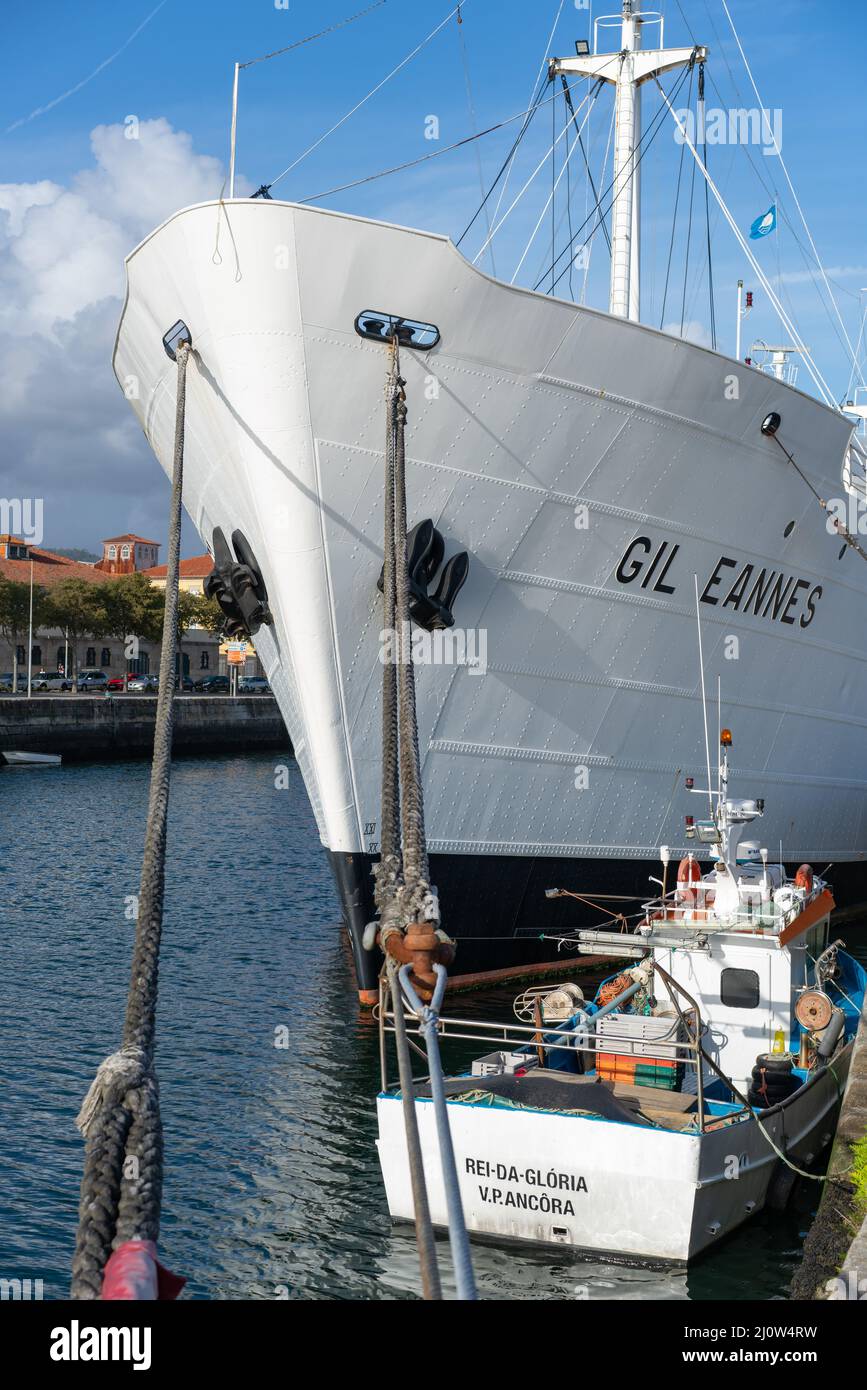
(666, 1078)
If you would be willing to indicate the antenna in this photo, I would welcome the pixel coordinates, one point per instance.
(719, 738)
(703, 697)
(234, 131)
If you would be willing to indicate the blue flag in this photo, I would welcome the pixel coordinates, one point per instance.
(765, 224)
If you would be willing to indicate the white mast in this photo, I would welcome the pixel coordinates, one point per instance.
(626, 70)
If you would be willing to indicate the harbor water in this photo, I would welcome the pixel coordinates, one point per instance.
(268, 1074)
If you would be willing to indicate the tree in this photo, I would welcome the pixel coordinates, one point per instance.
(189, 615)
(77, 607)
(211, 616)
(133, 612)
(15, 615)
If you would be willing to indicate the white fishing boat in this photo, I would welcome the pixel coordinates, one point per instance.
(569, 470)
(18, 758)
(652, 1121)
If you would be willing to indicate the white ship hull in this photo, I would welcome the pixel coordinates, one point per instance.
(545, 439)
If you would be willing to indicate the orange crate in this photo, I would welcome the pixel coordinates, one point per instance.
(612, 1067)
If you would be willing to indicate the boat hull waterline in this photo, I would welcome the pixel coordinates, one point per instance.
(601, 1186)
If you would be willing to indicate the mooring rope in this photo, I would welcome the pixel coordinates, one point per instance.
(428, 1016)
(387, 873)
(418, 901)
(424, 1233)
(121, 1187)
(403, 892)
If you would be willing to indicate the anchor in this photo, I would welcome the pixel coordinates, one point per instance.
(237, 585)
(425, 548)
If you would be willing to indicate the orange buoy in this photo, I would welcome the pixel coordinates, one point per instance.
(804, 877)
(688, 870)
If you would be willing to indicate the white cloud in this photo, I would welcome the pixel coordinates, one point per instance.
(693, 331)
(806, 277)
(68, 435)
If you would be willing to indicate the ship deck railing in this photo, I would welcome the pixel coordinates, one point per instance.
(512, 1036)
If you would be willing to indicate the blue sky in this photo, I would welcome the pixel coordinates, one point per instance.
(806, 56)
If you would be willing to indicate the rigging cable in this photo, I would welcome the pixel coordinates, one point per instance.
(569, 207)
(778, 152)
(615, 57)
(688, 243)
(421, 159)
(394, 71)
(519, 195)
(646, 140)
(591, 97)
(472, 114)
(540, 82)
(332, 29)
(528, 114)
(553, 186)
(676, 206)
(568, 96)
(839, 526)
(763, 279)
(588, 247)
(809, 261)
(707, 209)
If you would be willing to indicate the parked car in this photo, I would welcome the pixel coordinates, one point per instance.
(253, 685)
(50, 680)
(117, 683)
(213, 685)
(184, 683)
(91, 679)
(143, 685)
(7, 686)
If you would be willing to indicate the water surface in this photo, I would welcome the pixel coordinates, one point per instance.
(272, 1186)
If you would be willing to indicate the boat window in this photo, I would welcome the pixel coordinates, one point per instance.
(739, 989)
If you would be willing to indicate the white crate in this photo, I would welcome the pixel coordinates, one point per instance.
(636, 1035)
(500, 1063)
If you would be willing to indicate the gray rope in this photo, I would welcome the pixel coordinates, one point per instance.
(424, 1236)
(388, 872)
(417, 899)
(428, 1016)
(121, 1187)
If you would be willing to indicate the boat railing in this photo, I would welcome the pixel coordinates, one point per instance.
(537, 1040)
(761, 916)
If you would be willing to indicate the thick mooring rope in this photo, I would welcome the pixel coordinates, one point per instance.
(403, 891)
(121, 1188)
(418, 901)
(388, 872)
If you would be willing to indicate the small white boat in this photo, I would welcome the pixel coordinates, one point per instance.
(652, 1121)
(20, 759)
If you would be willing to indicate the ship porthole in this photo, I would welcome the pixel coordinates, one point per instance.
(789, 529)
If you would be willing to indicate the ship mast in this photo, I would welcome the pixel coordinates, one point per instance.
(627, 70)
